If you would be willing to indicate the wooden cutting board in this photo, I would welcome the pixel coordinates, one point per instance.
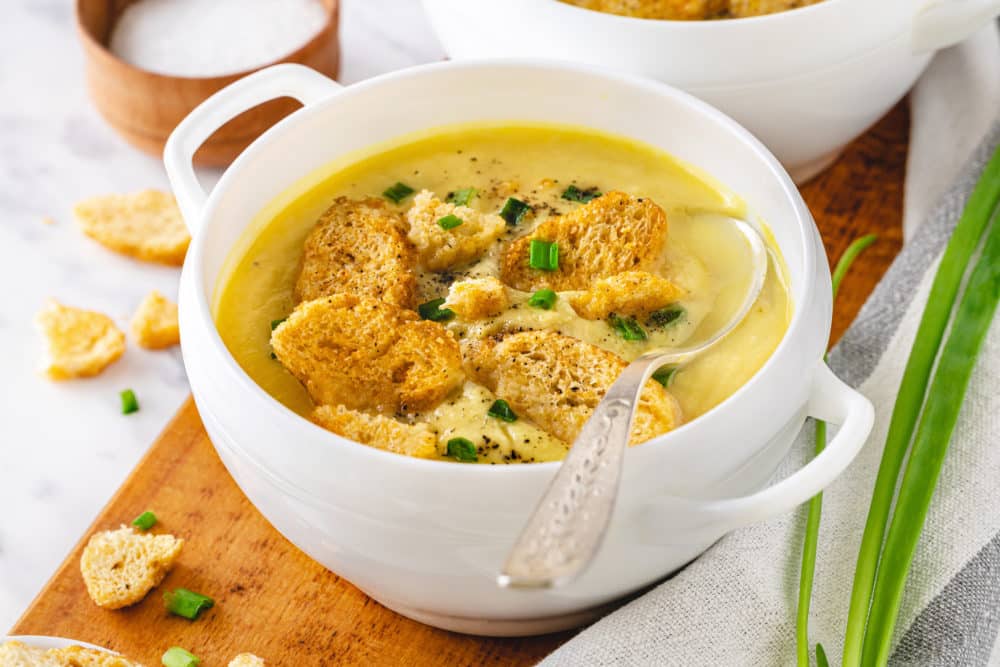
(274, 601)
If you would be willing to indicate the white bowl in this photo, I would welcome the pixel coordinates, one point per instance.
(805, 81)
(427, 537)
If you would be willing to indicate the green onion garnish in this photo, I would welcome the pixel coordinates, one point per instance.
(501, 410)
(188, 604)
(462, 197)
(398, 192)
(130, 403)
(433, 311)
(513, 210)
(178, 657)
(626, 327)
(449, 222)
(543, 298)
(821, 659)
(664, 317)
(665, 375)
(277, 323)
(543, 255)
(462, 449)
(573, 193)
(144, 521)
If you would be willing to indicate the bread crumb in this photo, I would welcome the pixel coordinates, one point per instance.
(477, 298)
(416, 440)
(77, 656)
(630, 293)
(121, 566)
(17, 654)
(675, 10)
(154, 324)
(48, 221)
(146, 225)
(246, 660)
(80, 343)
(440, 248)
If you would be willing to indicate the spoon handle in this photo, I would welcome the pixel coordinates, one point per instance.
(567, 527)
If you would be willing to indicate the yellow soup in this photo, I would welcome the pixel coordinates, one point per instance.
(703, 256)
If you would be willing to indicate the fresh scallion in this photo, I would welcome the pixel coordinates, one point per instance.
(462, 449)
(433, 311)
(398, 192)
(543, 255)
(513, 210)
(543, 298)
(501, 410)
(821, 659)
(665, 375)
(664, 317)
(449, 221)
(626, 327)
(277, 323)
(178, 657)
(144, 521)
(130, 403)
(462, 197)
(188, 604)
(573, 193)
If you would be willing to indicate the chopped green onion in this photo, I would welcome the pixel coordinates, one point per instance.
(462, 197)
(188, 604)
(178, 657)
(821, 659)
(543, 255)
(543, 298)
(665, 375)
(144, 521)
(513, 210)
(398, 192)
(449, 222)
(573, 193)
(664, 317)
(277, 323)
(130, 403)
(462, 449)
(501, 410)
(433, 311)
(626, 327)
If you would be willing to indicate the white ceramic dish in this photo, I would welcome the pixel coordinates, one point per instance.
(427, 537)
(806, 81)
(39, 641)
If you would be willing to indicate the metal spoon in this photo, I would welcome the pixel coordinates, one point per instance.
(567, 527)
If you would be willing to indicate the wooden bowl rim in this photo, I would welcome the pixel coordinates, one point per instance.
(332, 8)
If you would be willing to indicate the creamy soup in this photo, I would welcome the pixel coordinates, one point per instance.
(691, 10)
(553, 170)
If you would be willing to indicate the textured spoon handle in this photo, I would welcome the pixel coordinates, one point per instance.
(567, 527)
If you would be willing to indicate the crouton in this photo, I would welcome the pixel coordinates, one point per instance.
(246, 660)
(367, 354)
(146, 225)
(358, 247)
(631, 293)
(441, 248)
(120, 566)
(477, 298)
(77, 656)
(557, 381)
(16, 654)
(675, 10)
(154, 324)
(416, 440)
(745, 8)
(80, 343)
(608, 235)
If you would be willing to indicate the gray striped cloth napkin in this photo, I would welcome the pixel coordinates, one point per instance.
(736, 604)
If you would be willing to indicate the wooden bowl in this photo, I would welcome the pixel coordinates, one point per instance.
(144, 107)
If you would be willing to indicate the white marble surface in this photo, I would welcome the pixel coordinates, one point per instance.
(65, 448)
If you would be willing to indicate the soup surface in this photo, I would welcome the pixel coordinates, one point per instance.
(554, 171)
(690, 10)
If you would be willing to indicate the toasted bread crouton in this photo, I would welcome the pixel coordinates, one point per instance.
(630, 293)
(604, 237)
(120, 566)
(442, 248)
(745, 8)
(80, 343)
(477, 298)
(246, 660)
(77, 656)
(358, 247)
(146, 225)
(155, 324)
(416, 440)
(367, 354)
(16, 654)
(557, 381)
(674, 10)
